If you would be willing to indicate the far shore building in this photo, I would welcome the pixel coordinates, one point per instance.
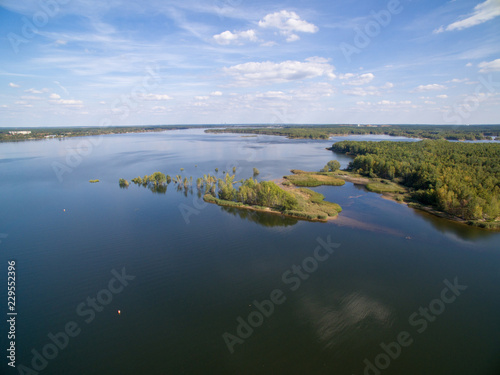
(20, 132)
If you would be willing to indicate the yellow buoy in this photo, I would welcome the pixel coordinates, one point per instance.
(119, 312)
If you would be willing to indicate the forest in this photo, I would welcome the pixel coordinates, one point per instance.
(483, 132)
(461, 179)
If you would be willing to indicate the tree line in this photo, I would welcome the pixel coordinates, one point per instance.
(482, 132)
(462, 179)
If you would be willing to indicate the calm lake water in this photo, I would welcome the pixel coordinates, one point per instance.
(196, 270)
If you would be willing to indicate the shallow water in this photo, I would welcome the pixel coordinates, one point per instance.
(198, 267)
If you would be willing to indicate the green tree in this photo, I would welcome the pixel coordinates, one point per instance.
(123, 183)
(333, 165)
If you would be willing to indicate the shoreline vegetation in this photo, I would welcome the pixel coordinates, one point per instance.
(458, 133)
(456, 181)
(451, 133)
(287, 197)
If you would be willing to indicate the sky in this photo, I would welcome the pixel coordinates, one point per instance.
(160, 62)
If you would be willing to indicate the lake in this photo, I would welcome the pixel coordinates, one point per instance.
(202, 289)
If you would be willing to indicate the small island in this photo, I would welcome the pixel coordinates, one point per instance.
(287, 196)
(281, 197)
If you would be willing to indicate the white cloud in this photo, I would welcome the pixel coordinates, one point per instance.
(70, 102)
(491, 66)
(270, 72)
(444, 96)
(431, 87)
(13, 85)
(361, 91)
(369, 90)
(429, 102)
(458, 80)
(227, 37)
(387, 102)
(273, 95)
(216, 93)
(357, 79)
(156, 97)
(269, 44)
(30, 97)
(202, 97)
(33, 91)
(56, 99)
(482, 13)
(288, 24)
(468, 65)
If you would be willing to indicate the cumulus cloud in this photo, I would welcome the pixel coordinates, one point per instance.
(202, 97)
(33, 91)
(369, 90)
(216, 93)
(430, 87)
(13, 85)
(491, 66)
(270, 72)
(30, 97)
(483, 12)
(444, 96)
(288, 24)
(156, 97)
(357, 79)
(273, 95)
(459, 80)
(56, 99)
(70, 102)
(362, 91)
(227, 37)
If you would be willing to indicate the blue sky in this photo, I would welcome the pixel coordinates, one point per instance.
(119, 62)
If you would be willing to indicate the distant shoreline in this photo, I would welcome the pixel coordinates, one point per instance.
(322, 132)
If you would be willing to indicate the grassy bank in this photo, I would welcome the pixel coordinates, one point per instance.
(313, 179)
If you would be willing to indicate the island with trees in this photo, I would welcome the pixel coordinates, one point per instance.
(288, 197)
